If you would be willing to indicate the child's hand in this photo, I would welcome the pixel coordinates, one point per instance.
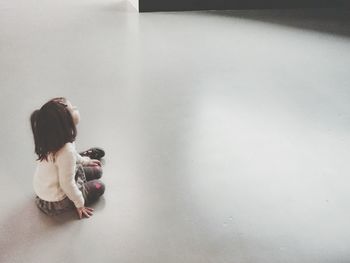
(93, 162)
(84, 211)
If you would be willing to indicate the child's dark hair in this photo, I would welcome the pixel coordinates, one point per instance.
(52, 127)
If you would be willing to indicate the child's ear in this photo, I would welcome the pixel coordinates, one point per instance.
(76, 117)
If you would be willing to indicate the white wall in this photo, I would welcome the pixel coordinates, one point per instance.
(135, 3)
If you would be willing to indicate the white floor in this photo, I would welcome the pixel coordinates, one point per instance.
(227, 133)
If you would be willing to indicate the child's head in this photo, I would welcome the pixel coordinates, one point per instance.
(53, 125)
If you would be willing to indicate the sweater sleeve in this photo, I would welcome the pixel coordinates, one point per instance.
(80, 159)
(66, 160)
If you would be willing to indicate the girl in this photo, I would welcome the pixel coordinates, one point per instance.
(64, 179)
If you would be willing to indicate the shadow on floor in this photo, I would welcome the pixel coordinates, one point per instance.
(332, 21)
(27, 226)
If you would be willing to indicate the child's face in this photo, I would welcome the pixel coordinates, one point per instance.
(74, 112)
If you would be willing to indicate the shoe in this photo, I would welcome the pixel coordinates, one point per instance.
(94, 153)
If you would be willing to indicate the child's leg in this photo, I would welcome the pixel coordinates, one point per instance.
(92, 172)
(92, 190)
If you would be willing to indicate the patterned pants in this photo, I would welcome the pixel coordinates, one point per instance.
(86, 178)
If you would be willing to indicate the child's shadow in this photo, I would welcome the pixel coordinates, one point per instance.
(26, 228)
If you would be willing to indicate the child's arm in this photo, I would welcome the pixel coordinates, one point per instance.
(80, 159)
(85, 160)
(66, 160)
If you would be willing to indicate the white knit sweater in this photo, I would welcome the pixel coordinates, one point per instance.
(54, 180)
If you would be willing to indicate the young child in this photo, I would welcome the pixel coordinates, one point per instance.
(64, 179)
